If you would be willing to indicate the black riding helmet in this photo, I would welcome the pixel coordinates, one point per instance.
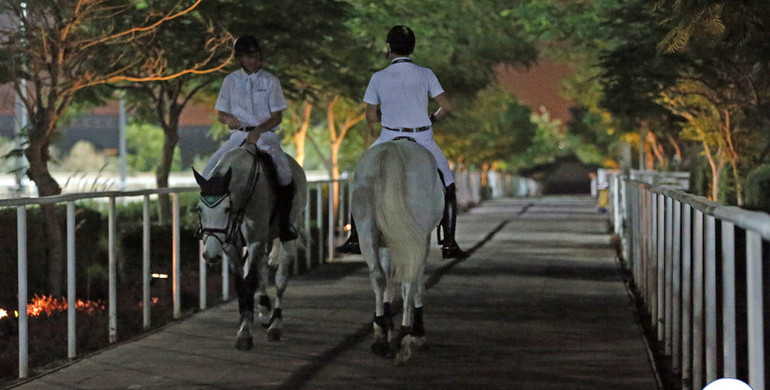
(401, 40)
(246, 44)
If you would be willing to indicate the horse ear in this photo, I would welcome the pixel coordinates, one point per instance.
(199, 179)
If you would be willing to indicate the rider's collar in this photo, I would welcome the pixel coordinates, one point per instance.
(400, 59)
(212, 200)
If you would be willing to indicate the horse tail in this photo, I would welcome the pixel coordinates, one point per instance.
(403, 235)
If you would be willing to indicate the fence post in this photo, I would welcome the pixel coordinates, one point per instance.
(330, 223)
(21, 244)
(225, 279)
(660, 264)
(201, 277)
(697, 307)
(754, 301)
(687, 298)
(710, 299)
(112, 270)
(175, 256)
(676, 276)
(728, 299)
(146, 298)
(319, 223)
(71, 298)
(669, 274)
(308, 236)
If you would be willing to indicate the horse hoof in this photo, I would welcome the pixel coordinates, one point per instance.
(244, 343)
(405, 352)
(421, 343)
(274, 335)
(381, 348)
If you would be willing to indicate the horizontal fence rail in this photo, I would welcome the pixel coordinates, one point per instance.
(697, 268)
(469, 193)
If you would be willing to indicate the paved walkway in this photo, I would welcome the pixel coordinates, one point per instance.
(540, 304)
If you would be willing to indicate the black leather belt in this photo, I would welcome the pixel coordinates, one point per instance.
(250, 128)
(408, 129)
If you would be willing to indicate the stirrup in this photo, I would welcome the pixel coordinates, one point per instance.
(453, 251)
(350, 246)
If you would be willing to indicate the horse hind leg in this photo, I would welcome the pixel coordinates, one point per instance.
(418, 330)
(264, 308)
(275, 322)
(418, 325)
(383, 327)
(404, 341)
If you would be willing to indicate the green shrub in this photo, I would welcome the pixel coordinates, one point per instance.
(757, 192)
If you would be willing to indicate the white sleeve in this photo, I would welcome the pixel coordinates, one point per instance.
(223, 100)
(276, 100)
(370, 96)
(434, 87)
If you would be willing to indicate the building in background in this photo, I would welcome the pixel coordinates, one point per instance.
(99, 126)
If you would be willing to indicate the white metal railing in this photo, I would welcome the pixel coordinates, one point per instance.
(674, 243)
(21, 205)
(468, 190)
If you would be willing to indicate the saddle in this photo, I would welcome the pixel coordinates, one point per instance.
(271, 174)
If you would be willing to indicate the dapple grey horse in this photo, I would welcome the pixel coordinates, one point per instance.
(237, 211)
(398, 199)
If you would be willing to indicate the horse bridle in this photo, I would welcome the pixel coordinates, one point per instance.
(233, 223)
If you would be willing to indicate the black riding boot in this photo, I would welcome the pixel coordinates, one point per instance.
(284, 200)
(449, 248)
(351, 245)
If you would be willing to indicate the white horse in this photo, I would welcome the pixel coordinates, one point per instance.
(398, 199)
(237, 211)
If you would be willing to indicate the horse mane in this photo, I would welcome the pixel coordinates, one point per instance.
(403, 235)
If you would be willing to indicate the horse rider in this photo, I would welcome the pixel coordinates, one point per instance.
(397, 97)
(251, 104)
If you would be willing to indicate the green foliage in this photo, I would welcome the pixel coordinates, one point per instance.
(461, 43)
(144, 143)
(758, 189)
(548, 144)
(633, 74)
(494, 128)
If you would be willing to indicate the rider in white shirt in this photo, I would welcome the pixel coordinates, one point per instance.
(251, 104)
(397, 97)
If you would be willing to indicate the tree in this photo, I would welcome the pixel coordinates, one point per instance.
(633, 76)
(462, 44)
(54, 52)
(715, 21)
(195, 39)
(501, 128)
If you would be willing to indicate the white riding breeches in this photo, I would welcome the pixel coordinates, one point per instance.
(268, 142)
(424, 138)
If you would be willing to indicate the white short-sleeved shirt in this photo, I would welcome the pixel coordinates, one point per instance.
(251, 97)
(402, 90)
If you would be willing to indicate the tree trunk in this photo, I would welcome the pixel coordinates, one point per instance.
(37, 154)
(170, 140)
(301, 134)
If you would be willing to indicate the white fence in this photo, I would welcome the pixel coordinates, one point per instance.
(674, 243)
(469, 193)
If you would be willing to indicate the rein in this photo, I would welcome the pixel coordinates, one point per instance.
(233, 222)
